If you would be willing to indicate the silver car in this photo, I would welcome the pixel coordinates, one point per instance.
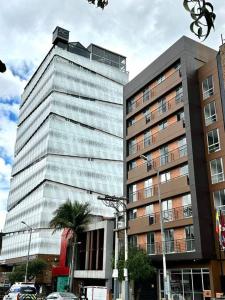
(61, 296)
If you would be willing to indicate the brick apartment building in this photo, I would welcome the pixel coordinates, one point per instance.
(174, 118)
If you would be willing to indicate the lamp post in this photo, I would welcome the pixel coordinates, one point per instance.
(28, 252)
(165, 277)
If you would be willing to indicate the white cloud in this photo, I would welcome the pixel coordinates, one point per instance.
(10, 86)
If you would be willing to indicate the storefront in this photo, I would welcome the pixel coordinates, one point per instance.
(187, 284)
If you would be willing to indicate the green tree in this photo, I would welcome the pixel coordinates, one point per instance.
(35, 268)
(139, 267)
(73, 216)
(201, 11)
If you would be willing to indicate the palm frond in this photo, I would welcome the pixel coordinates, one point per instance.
(71, 215)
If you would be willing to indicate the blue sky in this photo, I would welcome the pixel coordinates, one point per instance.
(140, 32)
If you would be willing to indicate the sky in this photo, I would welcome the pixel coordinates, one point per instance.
(141, 30)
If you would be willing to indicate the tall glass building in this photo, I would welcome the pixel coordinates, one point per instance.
(69, 141)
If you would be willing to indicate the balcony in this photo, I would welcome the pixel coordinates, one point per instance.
(176, 246)
(173, 187)
(161, 137)
(156, 115)
(172, 218)
(173, 158)
(160, 89)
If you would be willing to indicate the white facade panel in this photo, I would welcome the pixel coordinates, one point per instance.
(69, 146)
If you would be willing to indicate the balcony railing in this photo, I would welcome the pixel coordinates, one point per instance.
(162, 109)
(151, 93)
(170, 215)
(132, 149)
(174, 246)
(165, 159)
(149, 191)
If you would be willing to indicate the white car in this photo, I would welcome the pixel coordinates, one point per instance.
(23, 291)
(61, 296)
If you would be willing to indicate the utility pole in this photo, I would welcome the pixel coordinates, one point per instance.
(120, 205)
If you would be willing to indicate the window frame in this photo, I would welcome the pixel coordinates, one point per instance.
(212, 146)
(216, 174)
(213, 117)
(208, 93)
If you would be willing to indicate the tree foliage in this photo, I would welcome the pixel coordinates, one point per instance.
(73, 216)
(35, 268)
(201, 11)
(138, 264)
(2, 67)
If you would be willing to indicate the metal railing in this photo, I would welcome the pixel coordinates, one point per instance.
(132, 149)
(165, 159)
(148, 191)
(159, 111)
(147, 95)
(173, 246)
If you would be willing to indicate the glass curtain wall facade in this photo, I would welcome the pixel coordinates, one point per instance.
(69, 146)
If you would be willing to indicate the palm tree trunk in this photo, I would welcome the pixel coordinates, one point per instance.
(72, 264)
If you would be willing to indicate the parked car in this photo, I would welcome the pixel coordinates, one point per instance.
(21, 291)
(62, 296)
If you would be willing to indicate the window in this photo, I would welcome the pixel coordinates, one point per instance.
(184, 170)
(162, 125)
(179, 94)
(162, 106)
(132, 146)
(148, 188)
(182, 143)
(147, 115)
(145, 94)
(149, 210)
(219, 199)
(169, 240)
(164, 155)
(161, 78)
(189, 234)
(131, 105)
(131, 165)
(187, 208)
(213, 140)
(147, 138)
(207, 87)
(132, 193)
(164, 177)
(150, 243)
(132, 214)
(180, 116)
(167, 211)
(210, 113)
(133, 240)
(177, 66)
(216, 167)
(131, 122)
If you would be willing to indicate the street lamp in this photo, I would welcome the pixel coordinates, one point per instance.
(28, 252)
(165, 277)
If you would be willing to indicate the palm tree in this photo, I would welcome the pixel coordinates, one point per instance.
(73, 216)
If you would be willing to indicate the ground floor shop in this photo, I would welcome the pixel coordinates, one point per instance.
(194, 281)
